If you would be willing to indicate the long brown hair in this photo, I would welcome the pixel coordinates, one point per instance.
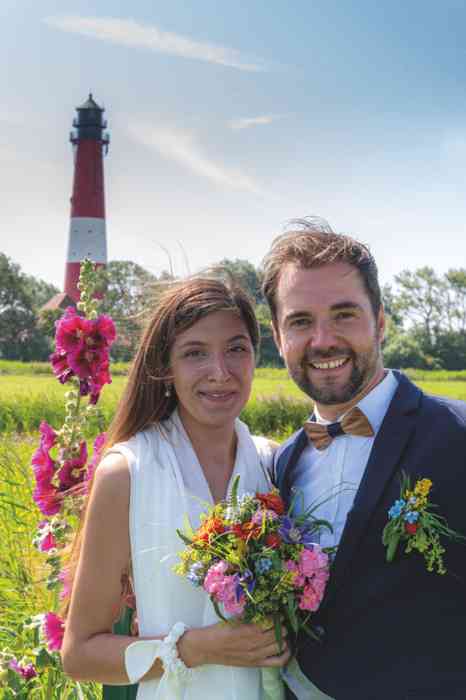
(145, 401)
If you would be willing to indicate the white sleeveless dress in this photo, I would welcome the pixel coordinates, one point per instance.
(159, 504)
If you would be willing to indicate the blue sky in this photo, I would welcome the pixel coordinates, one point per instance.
(228, 119)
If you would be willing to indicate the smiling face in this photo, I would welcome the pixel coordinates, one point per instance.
(328, 335)
(212, 366)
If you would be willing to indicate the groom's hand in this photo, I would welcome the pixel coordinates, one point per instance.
(233, 645)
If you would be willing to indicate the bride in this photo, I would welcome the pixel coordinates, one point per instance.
(175, 444)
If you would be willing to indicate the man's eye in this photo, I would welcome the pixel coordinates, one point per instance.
(237, 348)
(344, 315)
(194, 353)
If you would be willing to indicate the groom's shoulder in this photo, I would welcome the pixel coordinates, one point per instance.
(432, 406)
(283, 453)
(288, 445)
(445, 409)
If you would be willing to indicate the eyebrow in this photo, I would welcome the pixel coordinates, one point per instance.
(201, 344)
(334, 307)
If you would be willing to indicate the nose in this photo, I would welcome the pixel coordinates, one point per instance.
(218, 369)
(322, 336)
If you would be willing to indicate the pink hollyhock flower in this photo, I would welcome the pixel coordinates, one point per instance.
(312, 560)
(310, 599)
(43, 467)
(45, 539)
(102, 332)
(72, 472)
(99, 442)
(60, 366)
(27, 671)
(298, 580)
(48, 436)
(97, 381)
(53, 630)
(47, 498)
(71, 330)
(86, 362)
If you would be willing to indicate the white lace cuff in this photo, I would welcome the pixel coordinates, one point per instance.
(139, 656)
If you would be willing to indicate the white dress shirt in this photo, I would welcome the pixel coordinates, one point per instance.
(331, 477)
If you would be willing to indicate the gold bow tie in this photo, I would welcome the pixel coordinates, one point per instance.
(354, 423)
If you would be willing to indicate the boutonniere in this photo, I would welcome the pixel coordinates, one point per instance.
(412, 520)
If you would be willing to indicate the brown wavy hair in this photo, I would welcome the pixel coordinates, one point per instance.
(144, 401)
(310, 242)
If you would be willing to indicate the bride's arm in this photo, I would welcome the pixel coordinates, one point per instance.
(90, 651)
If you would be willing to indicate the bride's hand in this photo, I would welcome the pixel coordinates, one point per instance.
(232, 645)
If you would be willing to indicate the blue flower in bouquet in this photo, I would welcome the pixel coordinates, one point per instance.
(396, 508)
(246, 580)
(291, 533)
(411, 516)
(263, 565)
(196, 573)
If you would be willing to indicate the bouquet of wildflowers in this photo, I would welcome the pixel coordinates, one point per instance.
(257, 563)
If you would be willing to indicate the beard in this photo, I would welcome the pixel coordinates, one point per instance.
(365, 365)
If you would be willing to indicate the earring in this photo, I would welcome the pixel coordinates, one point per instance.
(168, 391)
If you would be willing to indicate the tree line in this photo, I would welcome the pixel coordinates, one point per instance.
(426, 313)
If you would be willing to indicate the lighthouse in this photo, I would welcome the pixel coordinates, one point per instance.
(87, 234)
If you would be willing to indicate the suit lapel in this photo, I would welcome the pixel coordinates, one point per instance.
(387, 450)
(286, 487)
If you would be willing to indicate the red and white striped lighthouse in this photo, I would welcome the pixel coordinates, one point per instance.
(87, 235)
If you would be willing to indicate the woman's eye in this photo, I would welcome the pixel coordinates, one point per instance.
(300, 322)
(237, 349)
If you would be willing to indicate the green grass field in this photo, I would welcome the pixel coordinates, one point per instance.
(26, 399)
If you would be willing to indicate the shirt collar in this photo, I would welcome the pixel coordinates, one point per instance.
(374, 405)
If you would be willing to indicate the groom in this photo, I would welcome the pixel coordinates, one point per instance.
(388, 631)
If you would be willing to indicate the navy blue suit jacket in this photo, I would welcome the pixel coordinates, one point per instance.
(393, 631)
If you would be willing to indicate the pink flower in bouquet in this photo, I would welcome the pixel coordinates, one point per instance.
(47, 498)
(27, 671)
(72, 472)
(215, 578)
(233, 604)
(312, 561)
(310, 599)
(53, 631)
(224, 588)
(298, 579)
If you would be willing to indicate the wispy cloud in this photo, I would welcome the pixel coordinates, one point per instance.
(180, 145)
(247, 122)
(127, 32)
